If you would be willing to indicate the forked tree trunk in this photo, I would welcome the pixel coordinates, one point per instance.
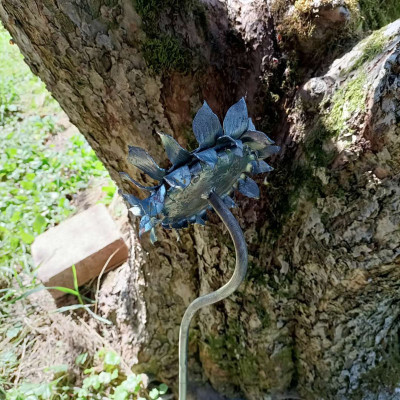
(318, 315)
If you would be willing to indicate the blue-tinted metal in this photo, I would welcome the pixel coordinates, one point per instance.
(249, 188)
(208, 156)
(199, 181)
(260, 167)
(237, 278)
(141, 159)
(236, 120)
(180, 178)
(218, 164)
(206, 127)
(176, 154)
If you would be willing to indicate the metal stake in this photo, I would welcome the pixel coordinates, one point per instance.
(237, 278)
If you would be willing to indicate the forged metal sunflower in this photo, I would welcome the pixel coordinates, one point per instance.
(220, 163)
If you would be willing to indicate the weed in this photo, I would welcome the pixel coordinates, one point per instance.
(36, 182)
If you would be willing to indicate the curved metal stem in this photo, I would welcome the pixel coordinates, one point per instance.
(237, 278)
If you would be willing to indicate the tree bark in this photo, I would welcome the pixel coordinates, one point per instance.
(318, 314)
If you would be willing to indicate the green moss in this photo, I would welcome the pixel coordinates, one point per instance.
(151, 11)
(385, 375)
(256, 274)
(263, 316)
(313, 146)
(244, 366)
(376, 13)
(374, 45)
(166, 53)
(345, 102)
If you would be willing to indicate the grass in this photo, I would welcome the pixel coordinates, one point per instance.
(37, 181)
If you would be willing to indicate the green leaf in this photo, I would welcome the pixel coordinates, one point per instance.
(120, 393)
(132, 383)
(76, 284)
(27, 185)
(11, 152)
(30, 176)
(57, 368)
(105, 378)
(39, 224)
(13, 332)
(112, 358)
(16, 216)
(114, 374)
(26, 237)
(163, 388)
(81, 359)
(154, 393)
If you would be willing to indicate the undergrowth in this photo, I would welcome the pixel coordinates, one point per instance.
(37, 181)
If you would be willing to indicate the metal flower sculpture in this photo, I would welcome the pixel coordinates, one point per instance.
(220, 163)
(200, 180)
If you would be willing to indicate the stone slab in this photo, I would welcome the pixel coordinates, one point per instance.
(86, 240)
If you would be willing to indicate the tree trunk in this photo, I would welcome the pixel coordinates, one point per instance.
(317, 317)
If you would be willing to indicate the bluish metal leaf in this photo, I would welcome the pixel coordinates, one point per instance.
(238, 151)
(154, 204)
(239, 144)
(200, 220)
(141, 159)
(236, 120)
(180, 224)
(145, 225)
(225, 141)
(256, 140)
(180, 178)
(268, 151)
(251, 126)
(153, 236)
(195, 169)
(165, 225)
(134, 203)
(229, 202)
(176, 154)
(249, 188)
(127, 178)
(206, 127)
(259, 167)
(208, 156)
(222, 155)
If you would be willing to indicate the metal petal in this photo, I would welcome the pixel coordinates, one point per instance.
(180, 178)
(200, 220)
(180, 224)
(236, 120)
(208, 156)
(225, 141)
(134, 202)
(238, 151)
(249, 188)
(141, 159)
(154, 204)
(176, 154)
(127, 178)
(259, 167)
(251, 126)
(229, 202)
(206, 127)
(195, 169)
(153, 236)
(146, 224)
(256, 140)
(268, 151)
